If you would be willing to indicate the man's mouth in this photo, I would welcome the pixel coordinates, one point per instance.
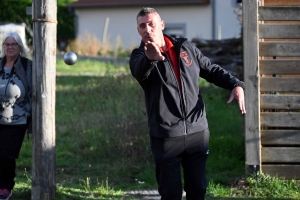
(149, 37)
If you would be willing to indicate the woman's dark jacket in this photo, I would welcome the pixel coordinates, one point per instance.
(172, 113)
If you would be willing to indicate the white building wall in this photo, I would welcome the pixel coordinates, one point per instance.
(122, 22)
(227, 24)
(198, 21)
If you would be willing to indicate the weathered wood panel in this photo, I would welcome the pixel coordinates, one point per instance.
(279, 66)
(281, 2)
(281, 13)
(281, 22)
(250, 41)
(282, 171)
(280, 154)
(43, 99)
(279, 31)
(280, 84)
(280, 137)
(274, 101)
(279, 48)
(280, 119)
(280, 57)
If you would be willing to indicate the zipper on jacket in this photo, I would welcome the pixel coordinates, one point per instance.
(9, 77)
(182, 96)
(181, 92)
(185, 133)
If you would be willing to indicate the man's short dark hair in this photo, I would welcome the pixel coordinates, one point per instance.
(145, 11)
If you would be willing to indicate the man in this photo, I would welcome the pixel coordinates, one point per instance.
(168, 70)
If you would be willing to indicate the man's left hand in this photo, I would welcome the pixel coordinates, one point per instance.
(238, 94)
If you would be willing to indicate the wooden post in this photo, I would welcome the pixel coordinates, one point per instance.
(251, 78)
(43, 109)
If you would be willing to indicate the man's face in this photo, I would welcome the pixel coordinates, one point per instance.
(150, 28)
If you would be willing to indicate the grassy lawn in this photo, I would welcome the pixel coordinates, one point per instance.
(102, 144)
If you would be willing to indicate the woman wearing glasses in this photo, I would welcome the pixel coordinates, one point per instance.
(15, 107)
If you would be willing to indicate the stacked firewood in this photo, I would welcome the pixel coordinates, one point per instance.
(226, 53)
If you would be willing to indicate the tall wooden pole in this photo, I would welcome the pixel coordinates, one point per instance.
(251, 78)
(43, 110)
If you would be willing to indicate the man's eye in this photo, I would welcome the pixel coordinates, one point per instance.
(142, 26)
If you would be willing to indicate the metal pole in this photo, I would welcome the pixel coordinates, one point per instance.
(105, 30)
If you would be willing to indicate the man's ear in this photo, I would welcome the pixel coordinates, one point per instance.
(162, 25)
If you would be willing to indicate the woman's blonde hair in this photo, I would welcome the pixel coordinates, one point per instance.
(18, 39)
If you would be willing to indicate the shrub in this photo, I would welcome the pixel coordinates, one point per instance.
(86, 45)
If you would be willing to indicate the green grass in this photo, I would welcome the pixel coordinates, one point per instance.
(102, 141)
(89, 67)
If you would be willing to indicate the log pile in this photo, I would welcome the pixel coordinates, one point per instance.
(226, 53)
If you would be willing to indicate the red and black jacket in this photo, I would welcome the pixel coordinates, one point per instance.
(172, 112)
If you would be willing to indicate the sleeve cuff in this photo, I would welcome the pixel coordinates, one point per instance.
(240, 84)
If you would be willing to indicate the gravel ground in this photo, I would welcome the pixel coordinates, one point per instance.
(146, 194)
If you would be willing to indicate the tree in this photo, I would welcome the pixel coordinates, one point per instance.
(66, 25)
(15, 12)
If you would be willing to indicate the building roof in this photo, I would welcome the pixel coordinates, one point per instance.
(122, 3)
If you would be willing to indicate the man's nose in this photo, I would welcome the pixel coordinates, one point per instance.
(148, 29)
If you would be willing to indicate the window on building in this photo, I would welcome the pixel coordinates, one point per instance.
(175, 30)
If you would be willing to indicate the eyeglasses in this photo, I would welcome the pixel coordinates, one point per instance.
(12, 44)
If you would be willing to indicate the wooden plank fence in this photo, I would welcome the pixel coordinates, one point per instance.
(271, 37)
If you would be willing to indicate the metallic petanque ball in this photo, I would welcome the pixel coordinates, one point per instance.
(70, 58)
